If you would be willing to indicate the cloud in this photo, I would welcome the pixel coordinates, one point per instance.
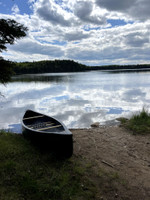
(141, 10)
(50, 12)
(137, 39)
(32, 47)
(76, 35)
(109, 55)
(67, 14)
(115, 5)
(15, 9)
(133, 95)
(136, 9)
(31, 1)
(83, 10)
(80, 101)
(79, 30)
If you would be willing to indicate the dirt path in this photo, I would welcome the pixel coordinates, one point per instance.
(114, 149)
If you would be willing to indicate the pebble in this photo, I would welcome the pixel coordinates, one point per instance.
(95, 125)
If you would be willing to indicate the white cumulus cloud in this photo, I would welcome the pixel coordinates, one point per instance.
(15, 9)
(93, 32)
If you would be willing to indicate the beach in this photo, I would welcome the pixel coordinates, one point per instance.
(117, 151)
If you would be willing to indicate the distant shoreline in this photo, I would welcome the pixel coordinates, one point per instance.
(58, 66)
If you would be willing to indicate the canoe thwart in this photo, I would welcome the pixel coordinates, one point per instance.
(41, 129)
(33, 117)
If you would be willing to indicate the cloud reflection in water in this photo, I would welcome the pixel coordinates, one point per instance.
(78, 99)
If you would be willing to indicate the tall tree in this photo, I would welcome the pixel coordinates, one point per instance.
(5, 70)
(10, 30)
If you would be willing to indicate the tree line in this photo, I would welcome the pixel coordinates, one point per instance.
(48, 66)
(52, 66)
(121, 67)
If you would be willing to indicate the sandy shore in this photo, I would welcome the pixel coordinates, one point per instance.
(115, 149)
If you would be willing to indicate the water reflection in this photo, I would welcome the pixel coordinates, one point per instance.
(78, 99)
(53, 77)
(130, 70)
(134, 95)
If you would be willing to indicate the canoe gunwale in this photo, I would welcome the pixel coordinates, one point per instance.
(66, 131)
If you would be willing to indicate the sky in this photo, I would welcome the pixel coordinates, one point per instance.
(92, 32)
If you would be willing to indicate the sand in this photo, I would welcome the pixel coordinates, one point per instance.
(117, 150)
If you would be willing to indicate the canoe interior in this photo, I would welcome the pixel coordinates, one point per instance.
(58, 140)
(39, 122)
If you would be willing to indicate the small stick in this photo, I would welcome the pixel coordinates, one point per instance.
(107, 163)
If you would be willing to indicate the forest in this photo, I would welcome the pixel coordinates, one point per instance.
(121, 67)
(48, 66)
(52, 66)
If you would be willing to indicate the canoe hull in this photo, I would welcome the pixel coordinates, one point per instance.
(58, 141)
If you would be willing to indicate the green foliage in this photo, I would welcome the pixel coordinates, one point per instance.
(26, 173)
(121, 68)
(139, 123)
(5, 70)
(123, 120)
(48, 66)
(9, 31)
(109, 180)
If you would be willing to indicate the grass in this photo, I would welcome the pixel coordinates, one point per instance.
(138, 123)
(28, 174)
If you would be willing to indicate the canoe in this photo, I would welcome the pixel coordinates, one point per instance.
(48, 133)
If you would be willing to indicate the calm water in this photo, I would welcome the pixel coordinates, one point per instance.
(77, 99)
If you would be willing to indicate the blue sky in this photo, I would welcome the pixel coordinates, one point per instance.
(7, 5)
(93, 32)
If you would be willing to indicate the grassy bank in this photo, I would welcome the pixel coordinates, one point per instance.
(138, 123)
(26, 173)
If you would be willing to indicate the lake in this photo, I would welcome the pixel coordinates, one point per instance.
(77, 99)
